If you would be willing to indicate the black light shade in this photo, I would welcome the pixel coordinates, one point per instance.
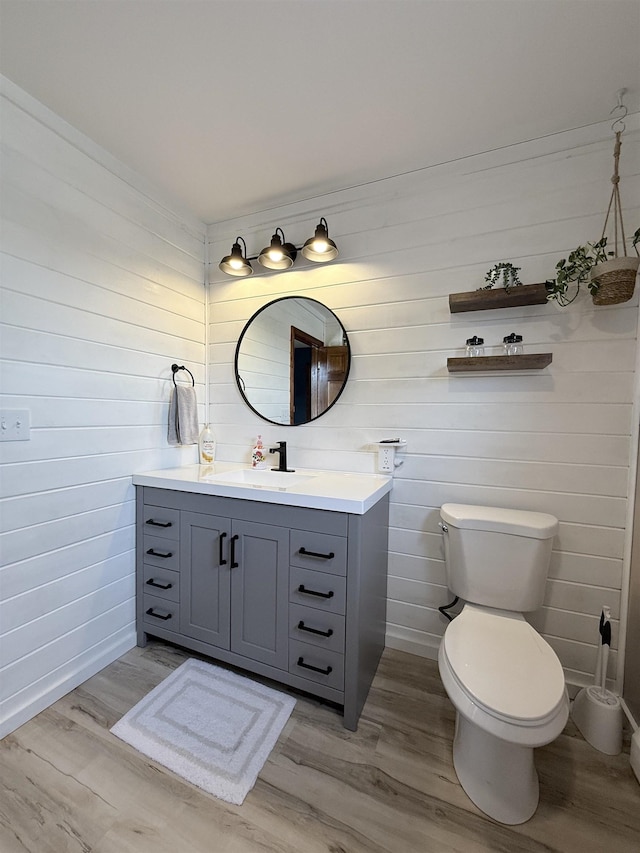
(320, 248)
(278, 255)
(236, 263)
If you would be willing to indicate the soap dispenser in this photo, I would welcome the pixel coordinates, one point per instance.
(258, 455)
(207, 446)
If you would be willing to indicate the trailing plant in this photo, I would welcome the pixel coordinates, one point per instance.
(504, 274)
(576, 269)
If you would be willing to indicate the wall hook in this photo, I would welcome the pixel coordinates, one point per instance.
(620, 106)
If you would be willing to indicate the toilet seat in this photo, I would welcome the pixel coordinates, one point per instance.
(504, 666)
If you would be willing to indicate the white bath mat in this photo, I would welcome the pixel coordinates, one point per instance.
(210, 726)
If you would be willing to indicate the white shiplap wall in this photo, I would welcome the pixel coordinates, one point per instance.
(556, 440)
(102, 289)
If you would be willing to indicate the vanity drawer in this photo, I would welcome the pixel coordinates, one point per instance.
(317, 627)
(160, 612)
(321, 551)
(161, 522)
(318, 590)
(163, 553)
(314, 664)
(162, 583)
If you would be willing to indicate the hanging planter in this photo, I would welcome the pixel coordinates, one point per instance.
(610, 274)
(615, 278)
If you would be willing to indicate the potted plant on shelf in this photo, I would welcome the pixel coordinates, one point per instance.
(504, 274)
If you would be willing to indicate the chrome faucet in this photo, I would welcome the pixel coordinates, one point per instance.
(281, 450)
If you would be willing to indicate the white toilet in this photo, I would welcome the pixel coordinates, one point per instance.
(504, 679)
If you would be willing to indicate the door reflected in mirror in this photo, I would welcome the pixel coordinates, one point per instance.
(292, 360)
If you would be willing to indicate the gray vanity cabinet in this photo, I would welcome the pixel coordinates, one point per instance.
(294, 594)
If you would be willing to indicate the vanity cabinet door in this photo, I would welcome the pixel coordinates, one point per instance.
(205, 583)
(260, 592)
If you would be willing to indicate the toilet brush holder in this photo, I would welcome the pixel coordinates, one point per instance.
(634, 753)
(598, 714)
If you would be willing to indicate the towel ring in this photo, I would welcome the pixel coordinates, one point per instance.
(176, 368)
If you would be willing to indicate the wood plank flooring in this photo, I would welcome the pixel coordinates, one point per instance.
(68, 786)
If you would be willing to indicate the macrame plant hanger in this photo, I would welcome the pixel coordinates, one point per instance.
(614, 201)
(616, 276)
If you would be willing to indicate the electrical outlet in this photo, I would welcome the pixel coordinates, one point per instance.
(385, 459)
(15, 425)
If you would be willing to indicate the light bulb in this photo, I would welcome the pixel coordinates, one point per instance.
(276, 254)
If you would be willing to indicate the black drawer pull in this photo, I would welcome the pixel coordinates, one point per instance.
(234, 564)
(151, 582)
(303, 627)
(328, 556)
(158, 523)
(315, 668)
(158, 615)
(302, 588)
(221, 560)
(164, 554)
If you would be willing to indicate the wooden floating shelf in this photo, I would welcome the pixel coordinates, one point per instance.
(484, 300)
(482, 363)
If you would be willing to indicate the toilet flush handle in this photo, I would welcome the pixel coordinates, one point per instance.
(443, 527)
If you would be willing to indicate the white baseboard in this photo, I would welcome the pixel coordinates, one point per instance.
(414, 642)
(67, 678)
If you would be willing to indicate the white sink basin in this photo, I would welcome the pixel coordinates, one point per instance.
(263, 479)
(339, 491)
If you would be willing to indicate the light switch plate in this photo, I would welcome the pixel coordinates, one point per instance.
(15, 425)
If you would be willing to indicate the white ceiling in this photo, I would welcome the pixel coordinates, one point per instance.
(234, 106)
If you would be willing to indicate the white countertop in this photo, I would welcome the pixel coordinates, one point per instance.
(331, 490)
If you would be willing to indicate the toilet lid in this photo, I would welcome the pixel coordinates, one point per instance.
(503, 664)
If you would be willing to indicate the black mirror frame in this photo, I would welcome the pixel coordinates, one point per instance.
(240, 383)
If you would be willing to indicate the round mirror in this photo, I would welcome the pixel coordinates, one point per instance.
(292, 360)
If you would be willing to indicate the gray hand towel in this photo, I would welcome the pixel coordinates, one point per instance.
(183, 416)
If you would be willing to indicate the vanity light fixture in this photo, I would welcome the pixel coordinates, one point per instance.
(236, 263)
(280, 255)
(320, 248)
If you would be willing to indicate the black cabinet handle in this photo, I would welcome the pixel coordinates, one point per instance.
(151, 582)
(158, 615)
(234, 564)
(221, 560)
(328, 556)
(303, 627)
(315, 668)
(329, 594)
(158, 523)
(164, 554)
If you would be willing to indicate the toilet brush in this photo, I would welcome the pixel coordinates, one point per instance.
(596, 711)
(603, 650)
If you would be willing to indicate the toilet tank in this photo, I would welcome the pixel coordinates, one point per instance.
(497, 557)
